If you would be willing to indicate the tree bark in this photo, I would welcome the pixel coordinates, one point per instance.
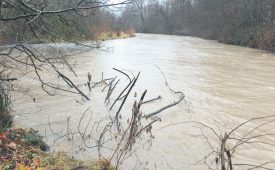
(223, 152)
(1, 1)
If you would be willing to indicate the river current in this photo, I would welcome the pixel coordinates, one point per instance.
(224, 85)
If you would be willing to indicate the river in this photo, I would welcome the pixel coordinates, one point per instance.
(224, 86)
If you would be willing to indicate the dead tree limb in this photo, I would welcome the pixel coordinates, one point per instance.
(126, 96)
(122, 92)
(164, 108)
(152, 100)
(10, 79)
(72, 84)
(182, 96)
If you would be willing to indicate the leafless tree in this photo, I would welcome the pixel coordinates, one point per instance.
(249, 23)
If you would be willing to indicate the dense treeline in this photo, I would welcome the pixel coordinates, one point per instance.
(245, 22)
(94, 23)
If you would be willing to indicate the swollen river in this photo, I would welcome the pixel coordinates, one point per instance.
(224, 86)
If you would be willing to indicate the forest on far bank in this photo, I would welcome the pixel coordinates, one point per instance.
(246, 22)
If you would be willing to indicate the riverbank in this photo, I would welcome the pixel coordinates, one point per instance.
(263, 38)
(114, 35)
(258, 38)
(22, 149)
(103, 36)
(25, 149)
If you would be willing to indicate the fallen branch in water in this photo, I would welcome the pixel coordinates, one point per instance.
(181, 95)
(165, 107)
(128, 85)
(152, 100)
(127, 94)
(111, 89)
(70, 83)
(10, 79)
(111, 133)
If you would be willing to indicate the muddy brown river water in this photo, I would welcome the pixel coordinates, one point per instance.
(224, 86)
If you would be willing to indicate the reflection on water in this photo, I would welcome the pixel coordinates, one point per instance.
(224, 86)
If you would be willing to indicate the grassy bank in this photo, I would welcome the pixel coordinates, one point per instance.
(114, 35)
(25, 150)
(100, 37)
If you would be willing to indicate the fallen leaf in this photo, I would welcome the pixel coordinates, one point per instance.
(12, 145)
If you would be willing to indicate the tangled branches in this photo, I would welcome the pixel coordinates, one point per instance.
(225, 146)
(38, 21)
(38, 59)
(113, 134)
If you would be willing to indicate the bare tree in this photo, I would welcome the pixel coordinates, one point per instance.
(225, 145)
(247, 23)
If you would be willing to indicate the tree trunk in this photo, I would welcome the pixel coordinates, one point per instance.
(273, 12)
(223, 152)
(1, 1)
